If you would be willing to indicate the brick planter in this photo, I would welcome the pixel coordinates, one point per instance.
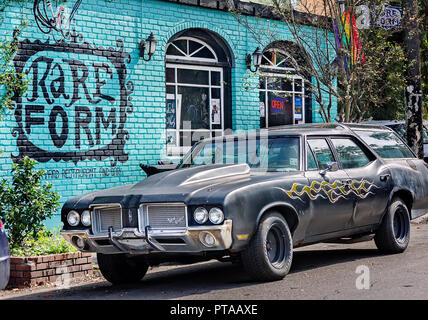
(33, 271)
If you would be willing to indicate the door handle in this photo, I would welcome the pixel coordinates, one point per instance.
(384, 177)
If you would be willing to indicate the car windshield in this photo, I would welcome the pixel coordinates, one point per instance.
(273, 154)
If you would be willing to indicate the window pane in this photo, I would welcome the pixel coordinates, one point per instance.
(195, 107)
(182, 45)
(215, 93)
(170, 89)
(193, 46)
(171, 111)
(298, 87)
(279, 84)
(286, 84)
(268, 58)
(170, 75)
(298, 107)
(312, 164)
(204, 53)
(350, 154)
(280, 110)
(192, 76)
(321, 151)
(173, 51)
(401, 130)
(262, 83)
(386, 144)
(262, 108)
(215, 78)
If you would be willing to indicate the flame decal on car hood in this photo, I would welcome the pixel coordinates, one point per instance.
(333, 191)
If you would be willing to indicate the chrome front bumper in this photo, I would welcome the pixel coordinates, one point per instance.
(131, 240)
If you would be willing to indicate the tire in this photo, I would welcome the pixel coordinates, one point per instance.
(119, 269)
(393, 235)
(269, 254)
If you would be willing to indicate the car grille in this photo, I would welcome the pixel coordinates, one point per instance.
(107, 217)
(166, 216)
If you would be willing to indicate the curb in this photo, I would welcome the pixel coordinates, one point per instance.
(420, 220)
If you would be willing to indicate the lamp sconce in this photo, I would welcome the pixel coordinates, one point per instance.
(150, 43)
(254, 59)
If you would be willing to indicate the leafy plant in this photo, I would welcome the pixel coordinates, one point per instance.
(26, 202)
(47, 242)
(11, 83)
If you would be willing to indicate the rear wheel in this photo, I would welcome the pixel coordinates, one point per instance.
(118, 268)
(269, 254)
(393, 235)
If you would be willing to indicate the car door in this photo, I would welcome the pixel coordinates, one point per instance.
(330, 208)
(369, 184)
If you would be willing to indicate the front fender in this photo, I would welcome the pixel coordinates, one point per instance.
(246, 208)
(285, 209)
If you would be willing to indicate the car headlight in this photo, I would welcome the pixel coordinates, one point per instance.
(216, 216)
(86, 218)
(200, 215)
(73, 218)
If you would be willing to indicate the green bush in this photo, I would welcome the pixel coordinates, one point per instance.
(26, 203)
(47, 242)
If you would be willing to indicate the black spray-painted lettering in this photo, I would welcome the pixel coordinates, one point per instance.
(68, 99)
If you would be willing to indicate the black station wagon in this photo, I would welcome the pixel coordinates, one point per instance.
(252, 198)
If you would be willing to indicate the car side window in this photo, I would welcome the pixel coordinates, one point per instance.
(387, 144)
(350, 155)
(322, 152)
(311, 162)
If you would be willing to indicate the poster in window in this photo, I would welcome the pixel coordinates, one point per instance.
(298, 112)
(215, 111)
(171, 109)
(262, 109)
(171, 137)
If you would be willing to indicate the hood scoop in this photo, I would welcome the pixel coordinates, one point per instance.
(218, 173)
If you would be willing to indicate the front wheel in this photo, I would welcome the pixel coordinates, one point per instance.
(269, 254)
(118, 268)
(393, 235)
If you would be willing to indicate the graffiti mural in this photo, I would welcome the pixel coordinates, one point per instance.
(77, 102)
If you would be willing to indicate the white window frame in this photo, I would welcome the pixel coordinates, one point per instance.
(173, 151)
(273, 71)
(189, 57)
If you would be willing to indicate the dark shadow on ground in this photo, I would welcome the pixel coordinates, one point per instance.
(183, 281)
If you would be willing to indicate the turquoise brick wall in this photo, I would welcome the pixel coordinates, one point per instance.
(136, 91)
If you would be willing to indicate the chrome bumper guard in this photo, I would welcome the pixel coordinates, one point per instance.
(131, 240)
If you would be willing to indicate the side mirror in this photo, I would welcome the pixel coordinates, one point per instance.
(331, 166)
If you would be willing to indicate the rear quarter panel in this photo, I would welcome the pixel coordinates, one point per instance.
(411, 175)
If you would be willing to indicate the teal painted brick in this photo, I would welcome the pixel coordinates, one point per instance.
(102, 23)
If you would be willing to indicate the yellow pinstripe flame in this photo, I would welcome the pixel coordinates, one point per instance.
(333, 191)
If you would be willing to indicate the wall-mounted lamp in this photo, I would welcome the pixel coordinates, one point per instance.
(150, 43)
(255, 59)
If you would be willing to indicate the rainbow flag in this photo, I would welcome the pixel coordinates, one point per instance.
(350, 39)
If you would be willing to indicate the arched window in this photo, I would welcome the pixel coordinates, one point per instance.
(282, 89)
(191, 49)
(197, 97)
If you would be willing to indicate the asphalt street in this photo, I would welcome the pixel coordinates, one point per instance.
(322, 271)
